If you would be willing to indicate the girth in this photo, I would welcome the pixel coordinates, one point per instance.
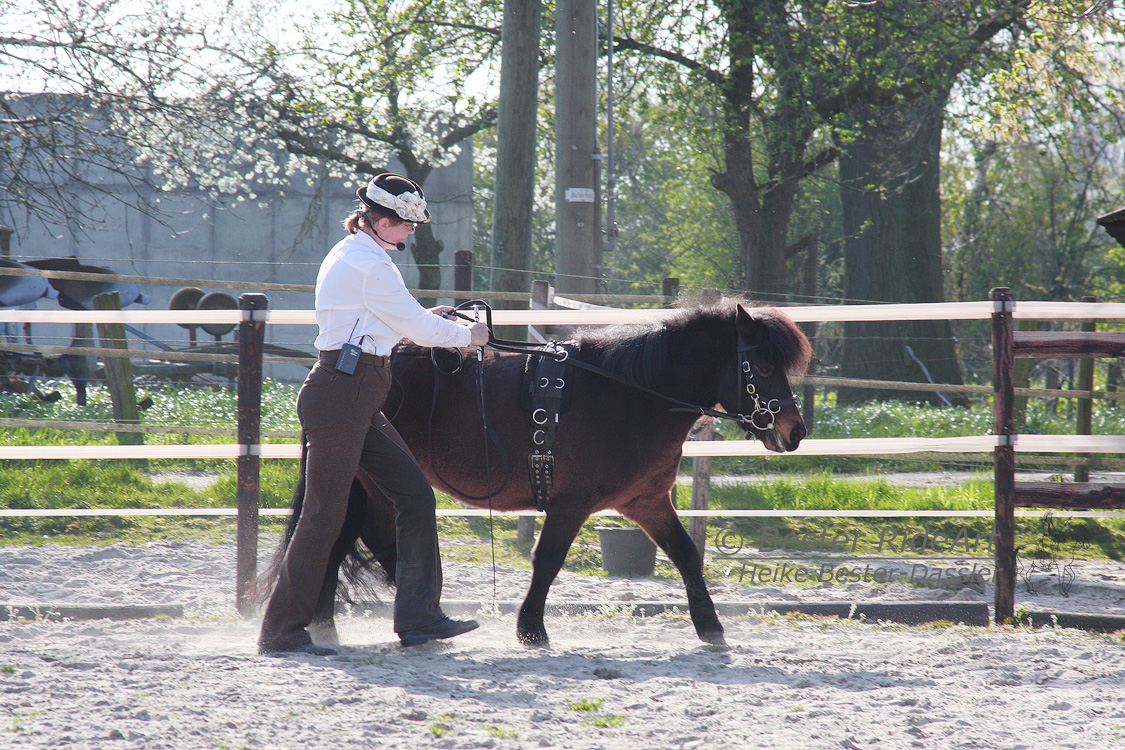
(546, 396)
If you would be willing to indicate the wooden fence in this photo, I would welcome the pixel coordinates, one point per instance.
(1007, 345)
(253, 317)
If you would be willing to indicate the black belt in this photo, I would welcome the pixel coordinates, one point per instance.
(329, 357)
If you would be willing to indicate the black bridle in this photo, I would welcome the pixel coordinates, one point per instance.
(765, 410)
(768, 408)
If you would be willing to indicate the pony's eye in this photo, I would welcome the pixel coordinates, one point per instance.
(765, 370)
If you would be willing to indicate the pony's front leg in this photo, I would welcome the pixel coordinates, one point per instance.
(659, 520)
(558, 532)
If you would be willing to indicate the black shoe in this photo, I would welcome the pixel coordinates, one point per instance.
(443, 628)
(306, 648)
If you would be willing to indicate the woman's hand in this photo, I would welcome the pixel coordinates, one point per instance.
(479, 333)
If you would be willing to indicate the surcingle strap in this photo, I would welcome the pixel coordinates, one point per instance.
(547, 386)
(541, 469)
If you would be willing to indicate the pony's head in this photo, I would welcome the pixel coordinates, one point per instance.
(770, 350)
(741, 357)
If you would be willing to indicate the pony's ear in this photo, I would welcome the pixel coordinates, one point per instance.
(745, 324)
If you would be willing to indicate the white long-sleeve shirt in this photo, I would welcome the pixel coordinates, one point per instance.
(359, 287)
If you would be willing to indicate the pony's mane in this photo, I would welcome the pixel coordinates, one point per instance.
(641, 353)
(636, 352)
(781, 341)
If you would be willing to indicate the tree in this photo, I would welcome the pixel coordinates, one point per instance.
(394, 86)
(1028, 217)
(667, 224)
(517, 109)
(786, 78)
(1030, 171)
(795, 84)
(890, 184)
(86, 80)
(1007, 57)
(369, 82)
(777, 82)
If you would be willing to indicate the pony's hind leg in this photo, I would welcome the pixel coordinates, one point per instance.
(659, 520)
(555, 538)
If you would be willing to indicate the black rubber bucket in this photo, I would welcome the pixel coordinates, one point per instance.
(626, 551)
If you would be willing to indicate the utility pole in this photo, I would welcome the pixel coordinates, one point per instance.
(578, 236)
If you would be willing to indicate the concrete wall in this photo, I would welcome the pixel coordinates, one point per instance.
(267, 239)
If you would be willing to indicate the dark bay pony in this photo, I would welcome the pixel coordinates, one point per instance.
(618, 447)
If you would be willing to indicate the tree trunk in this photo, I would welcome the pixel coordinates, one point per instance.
(427, 255)
(514, 192)
(426, 248)
(762, 204)
(891, 205)
(761, 218)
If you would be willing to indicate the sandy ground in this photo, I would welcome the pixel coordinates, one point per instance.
(608, 680)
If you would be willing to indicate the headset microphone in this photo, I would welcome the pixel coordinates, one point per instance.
(400, 246)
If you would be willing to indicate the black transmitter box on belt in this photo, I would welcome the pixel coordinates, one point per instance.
(349, 357)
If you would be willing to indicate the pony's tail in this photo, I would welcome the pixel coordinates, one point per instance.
(267, 578)
(365, 550)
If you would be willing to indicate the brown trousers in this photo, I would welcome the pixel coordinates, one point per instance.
(345, 428)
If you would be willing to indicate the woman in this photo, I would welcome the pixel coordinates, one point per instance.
(363, 309)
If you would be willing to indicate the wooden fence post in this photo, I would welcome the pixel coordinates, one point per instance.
(671, 290)
(701, 465)
(701, 489)
(251, 340)
(1021, 376)
(1084, 418)
(119, 370)
(809, 282)
(462, 273)
(1003, 455)
(540, 300)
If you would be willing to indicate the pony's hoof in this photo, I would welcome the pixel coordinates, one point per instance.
(324, 632)
(534, 640)
(715, 638)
